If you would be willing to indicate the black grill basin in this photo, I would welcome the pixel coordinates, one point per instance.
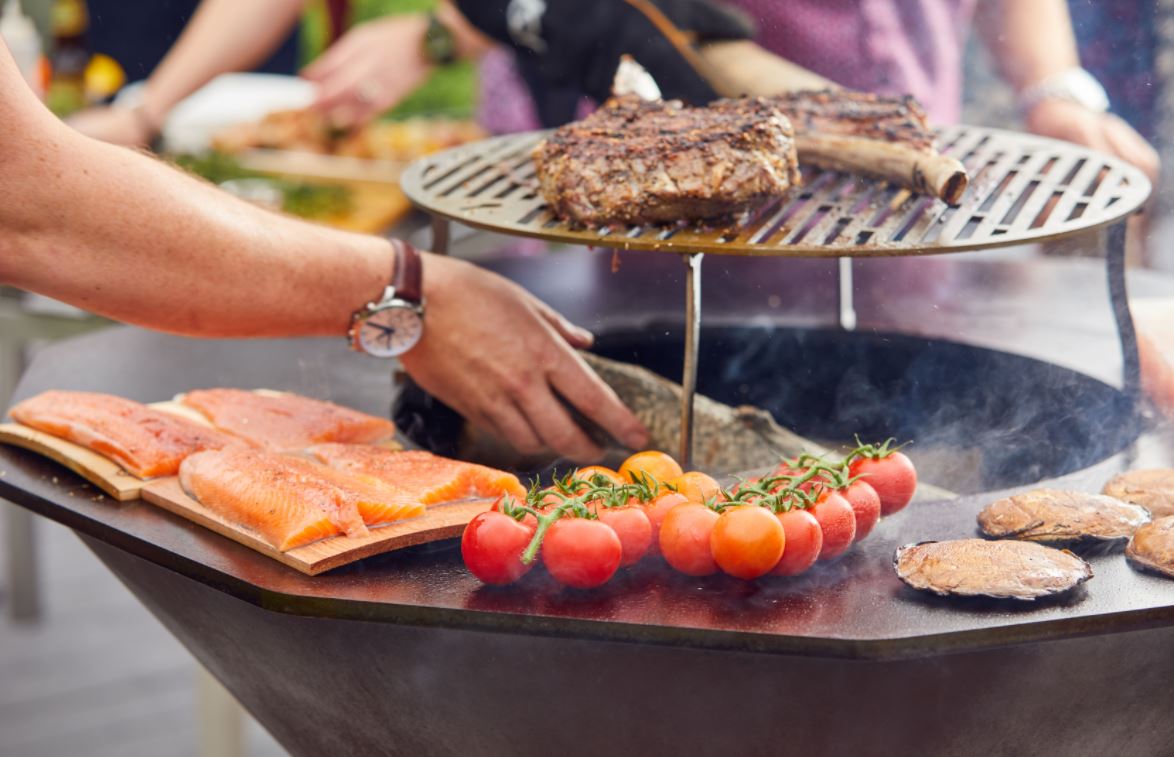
(978, 419)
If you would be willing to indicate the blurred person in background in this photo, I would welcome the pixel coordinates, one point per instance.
(567, 50)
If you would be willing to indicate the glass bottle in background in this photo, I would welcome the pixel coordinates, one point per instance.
(70, 56)
(23, 42)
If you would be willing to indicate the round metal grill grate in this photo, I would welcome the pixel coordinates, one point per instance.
(1022, 189)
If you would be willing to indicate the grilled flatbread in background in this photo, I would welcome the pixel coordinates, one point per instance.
(1152, 546)
(1053, 516)
(1152, 488)
(1003, 569)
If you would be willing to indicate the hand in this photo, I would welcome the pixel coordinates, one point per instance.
(373, 67)
(113, 124)
(502, 358)
(1106, 132)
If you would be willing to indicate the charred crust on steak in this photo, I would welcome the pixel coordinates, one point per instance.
(637, 162)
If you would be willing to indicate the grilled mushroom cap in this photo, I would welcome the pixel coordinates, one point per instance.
(998, 569)
(1055, 516)
(1152, 488)
(1152, 546)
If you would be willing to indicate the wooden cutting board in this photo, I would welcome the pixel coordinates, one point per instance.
(443, 521)
(103, 473)
(440, 522)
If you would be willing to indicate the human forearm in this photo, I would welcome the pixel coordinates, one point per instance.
(1029, 40)
(127, 237)
(222, 36)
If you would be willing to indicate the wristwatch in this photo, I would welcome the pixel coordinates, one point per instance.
(1074, 85)
(440, 44)
(394, 324)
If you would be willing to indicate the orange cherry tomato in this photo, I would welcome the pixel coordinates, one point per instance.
(591, 471)
(838, 523)
(747, 541)
(697, 487)
(633, 527)
(684, 539)
(804, 540)
(655, 465)
(656, 509)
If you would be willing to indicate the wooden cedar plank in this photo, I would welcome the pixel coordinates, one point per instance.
(106, 474)
(440, 522)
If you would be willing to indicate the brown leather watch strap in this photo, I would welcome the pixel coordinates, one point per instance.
(409, 272)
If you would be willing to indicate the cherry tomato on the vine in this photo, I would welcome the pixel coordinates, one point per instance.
(747, 541)
(655, 465)
(633, 527)
(684, 539)
(581, 553)
(589, 473)
(492, 547)
(697, 487)
(804, 540)
(838, 523)
(866, 505)
(892, 476)
(657, 509)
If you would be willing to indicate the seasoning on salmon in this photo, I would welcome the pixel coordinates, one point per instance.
(428, 478)
(145, 441)
(283, 421)
(1152, 488)
(288, 501)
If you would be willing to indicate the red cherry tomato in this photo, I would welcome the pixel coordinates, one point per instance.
(633, 527)
(581, 553)
(656, 509)
(684, 539)
(492, 547)
(747, 541)
(865, 504)
(804, 540)
(838, 523)
(893, 477)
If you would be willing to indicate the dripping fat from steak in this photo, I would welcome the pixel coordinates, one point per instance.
(635, 161)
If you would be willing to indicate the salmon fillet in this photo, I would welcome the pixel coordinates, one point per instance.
(145, 441)
(286, 421)
(289, 501)
(429, 479)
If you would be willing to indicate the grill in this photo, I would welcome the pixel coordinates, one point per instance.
(1023, 189)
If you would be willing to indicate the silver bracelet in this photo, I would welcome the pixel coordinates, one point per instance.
(1073, 85)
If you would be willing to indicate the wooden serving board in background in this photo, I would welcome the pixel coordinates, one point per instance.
(439, 522)
(103, 473)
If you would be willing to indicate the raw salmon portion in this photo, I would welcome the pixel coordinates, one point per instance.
(427, 478)
(145, 441)
(286, 421)
(289, 501)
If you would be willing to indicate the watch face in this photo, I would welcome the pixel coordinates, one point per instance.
(392, 331)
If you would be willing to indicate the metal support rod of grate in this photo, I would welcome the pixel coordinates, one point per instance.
(692, 345)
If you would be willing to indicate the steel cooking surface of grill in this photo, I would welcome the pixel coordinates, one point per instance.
(1022, 189)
